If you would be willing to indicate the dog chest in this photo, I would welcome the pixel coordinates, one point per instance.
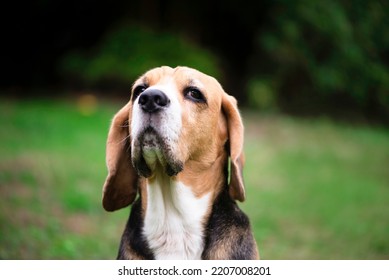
(173, 223)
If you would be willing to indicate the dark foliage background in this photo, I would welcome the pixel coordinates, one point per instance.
(302, 57)
(317, 184)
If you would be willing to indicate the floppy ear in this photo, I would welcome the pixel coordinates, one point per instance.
(235, 135)
(121, 185)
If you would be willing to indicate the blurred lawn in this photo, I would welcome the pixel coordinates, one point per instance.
(316, 190)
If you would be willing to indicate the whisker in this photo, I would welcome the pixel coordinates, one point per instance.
(125, 124)
(125, 139)
(128, 148)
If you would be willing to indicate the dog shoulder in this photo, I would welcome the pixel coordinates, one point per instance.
(228, 233)
(133, 245)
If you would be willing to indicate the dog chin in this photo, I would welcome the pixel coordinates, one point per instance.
(151, 153)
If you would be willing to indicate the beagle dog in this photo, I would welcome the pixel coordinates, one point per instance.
(169, 153)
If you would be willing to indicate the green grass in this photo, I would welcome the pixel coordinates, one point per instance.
(52, 168)
(315, 189)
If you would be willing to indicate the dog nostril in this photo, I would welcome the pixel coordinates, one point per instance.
(153, 100)
(161, 100)
(143, 99)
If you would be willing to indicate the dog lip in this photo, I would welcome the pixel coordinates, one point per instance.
(150, 140)
(151, 122)
(152, 152)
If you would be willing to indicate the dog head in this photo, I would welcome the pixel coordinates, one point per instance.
(176, 118)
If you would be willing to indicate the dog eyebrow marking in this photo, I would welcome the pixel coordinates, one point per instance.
(195, 83)
(145, 80)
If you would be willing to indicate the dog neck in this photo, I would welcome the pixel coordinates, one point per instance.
(174, 218)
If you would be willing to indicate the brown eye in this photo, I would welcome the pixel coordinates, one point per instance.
(195, 95)
(138, 90)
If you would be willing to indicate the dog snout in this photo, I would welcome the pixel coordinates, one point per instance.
(153, 100)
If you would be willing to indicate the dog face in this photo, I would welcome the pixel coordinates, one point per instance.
(178, 122)
(174, 119)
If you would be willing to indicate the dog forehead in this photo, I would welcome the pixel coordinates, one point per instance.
(181, 76)
(156, 75)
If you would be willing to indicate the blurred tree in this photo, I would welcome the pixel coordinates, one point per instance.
(330, 55)
(297, 56)
(129, 50)
(38, 33)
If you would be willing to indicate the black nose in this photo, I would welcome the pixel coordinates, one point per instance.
(153, 100)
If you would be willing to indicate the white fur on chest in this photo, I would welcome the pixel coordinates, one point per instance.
(173, 223)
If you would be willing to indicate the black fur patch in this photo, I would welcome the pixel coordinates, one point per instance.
(229, 225)
(133, 236)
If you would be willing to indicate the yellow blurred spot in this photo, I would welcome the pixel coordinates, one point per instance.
(87, 104)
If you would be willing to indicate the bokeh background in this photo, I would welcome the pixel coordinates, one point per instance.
(312, 80)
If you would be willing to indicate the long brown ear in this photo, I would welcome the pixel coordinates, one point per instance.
(235, 135)
(121, 185)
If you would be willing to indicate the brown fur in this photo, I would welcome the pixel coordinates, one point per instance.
(201, 142)
(211, 132)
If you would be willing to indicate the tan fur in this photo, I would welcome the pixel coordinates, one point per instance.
(210, 133)
(120, 188)
(129, 253)
(223, 249)
(206, 128)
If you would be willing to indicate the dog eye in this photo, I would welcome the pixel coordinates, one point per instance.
(195, 95)
(138, 90)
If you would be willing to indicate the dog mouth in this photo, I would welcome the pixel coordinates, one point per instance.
(151, 151)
